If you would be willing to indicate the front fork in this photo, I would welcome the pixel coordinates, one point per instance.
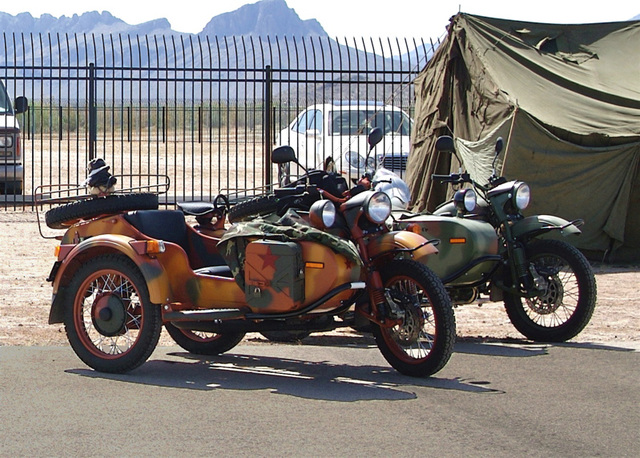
(383, 309)
(529, 282)
(520, 265)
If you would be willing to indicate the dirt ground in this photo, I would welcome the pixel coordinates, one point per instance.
(26, 259)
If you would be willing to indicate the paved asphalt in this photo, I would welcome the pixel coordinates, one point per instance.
(336, 399)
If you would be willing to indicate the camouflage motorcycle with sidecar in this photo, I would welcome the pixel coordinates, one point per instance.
(122, 273)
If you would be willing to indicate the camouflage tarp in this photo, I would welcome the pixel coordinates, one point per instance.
(288, 228)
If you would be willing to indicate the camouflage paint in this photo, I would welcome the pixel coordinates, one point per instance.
(274, 275)
(153, 271)
(171, 279)
(461, 242)
(391, 241)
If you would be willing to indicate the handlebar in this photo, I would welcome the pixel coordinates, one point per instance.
(452, 178)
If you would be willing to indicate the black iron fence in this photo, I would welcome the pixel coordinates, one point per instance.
(206, 111)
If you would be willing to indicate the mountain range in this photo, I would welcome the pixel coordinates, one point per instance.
(264, 18)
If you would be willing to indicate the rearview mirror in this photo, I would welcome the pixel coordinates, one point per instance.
(499, 145)
(444, 144)
(283, 154)
(21, 104)
(375, 137)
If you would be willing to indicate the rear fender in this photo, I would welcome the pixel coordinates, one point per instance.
(532, 226)
(152, 270)
(402, 243)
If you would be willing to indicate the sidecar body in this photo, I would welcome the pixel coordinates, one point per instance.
(185, 269)
(468, 248)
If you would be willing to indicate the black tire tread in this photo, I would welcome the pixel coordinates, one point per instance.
(586, 302)
(222, 344)
(65, 215)
(446, 321)
(252, 208)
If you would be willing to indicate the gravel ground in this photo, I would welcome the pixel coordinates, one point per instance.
(25, 296)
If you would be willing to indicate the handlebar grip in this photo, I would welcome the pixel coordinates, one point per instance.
(441, 178)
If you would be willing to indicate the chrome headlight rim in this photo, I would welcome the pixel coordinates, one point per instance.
(378, 207)
(6, 141)
(465, 200)
(371, 162)
(323, 214)
(521, 195)
(355, 159)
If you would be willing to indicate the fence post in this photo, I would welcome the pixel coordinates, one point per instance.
(92, 112)
(267, 124)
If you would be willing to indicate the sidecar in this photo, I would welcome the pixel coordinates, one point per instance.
(468, 248)
(185, 271)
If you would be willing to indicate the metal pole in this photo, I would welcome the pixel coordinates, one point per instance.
(267, 124)
(92, 112)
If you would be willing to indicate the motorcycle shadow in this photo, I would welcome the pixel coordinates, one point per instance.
(519, 348)
(309, 379)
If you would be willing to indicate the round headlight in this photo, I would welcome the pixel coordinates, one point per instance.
(371, 163)
(521, 195)
(355, 160)
(322, 214)
(378, 208)
(465, 200)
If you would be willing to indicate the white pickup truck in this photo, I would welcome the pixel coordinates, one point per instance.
(11, 170)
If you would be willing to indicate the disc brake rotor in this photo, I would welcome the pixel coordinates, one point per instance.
(552, 297)
(409, 331)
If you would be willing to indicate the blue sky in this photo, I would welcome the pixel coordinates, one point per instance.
(346, 18)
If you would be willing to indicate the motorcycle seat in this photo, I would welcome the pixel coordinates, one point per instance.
(167, 225)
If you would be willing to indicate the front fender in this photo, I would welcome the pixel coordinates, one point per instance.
(153, 271)
(532, 226)
(395, 241)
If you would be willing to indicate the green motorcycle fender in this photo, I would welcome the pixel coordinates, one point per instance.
(532, 226)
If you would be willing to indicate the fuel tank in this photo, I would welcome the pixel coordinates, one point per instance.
(468, 249)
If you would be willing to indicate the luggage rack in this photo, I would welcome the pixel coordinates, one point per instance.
(60, 194)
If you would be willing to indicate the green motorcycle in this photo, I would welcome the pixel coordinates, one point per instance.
(489, 251)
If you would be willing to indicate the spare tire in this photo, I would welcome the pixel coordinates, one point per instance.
(252, 208)
(65, 215)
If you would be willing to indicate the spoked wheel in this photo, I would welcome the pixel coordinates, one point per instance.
(111, 324)
(568, 296)
(204, 343)
(423, 343)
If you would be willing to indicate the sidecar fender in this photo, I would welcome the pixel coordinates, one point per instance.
(402, 243)
(532, 226)
(153, 271)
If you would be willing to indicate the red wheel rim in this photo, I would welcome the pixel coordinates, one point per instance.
(413, 341)
(89, 315)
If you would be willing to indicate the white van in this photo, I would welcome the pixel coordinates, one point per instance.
(11, 170)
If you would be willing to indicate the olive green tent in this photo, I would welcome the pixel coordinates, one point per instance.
(566, 100)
